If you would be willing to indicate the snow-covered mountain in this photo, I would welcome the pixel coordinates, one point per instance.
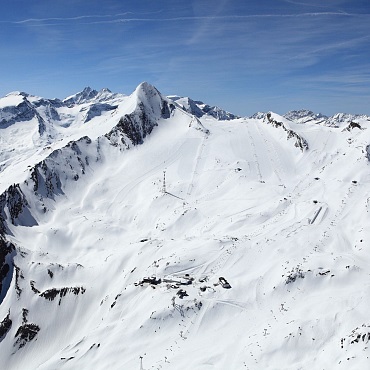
(306, 116)
(142, 232)
(200, 109)
(342, 120)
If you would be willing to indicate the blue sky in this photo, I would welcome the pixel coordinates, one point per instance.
(243, 55)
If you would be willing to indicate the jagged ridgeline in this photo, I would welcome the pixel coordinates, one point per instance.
(137, 229)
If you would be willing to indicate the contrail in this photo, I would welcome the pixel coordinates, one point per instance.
(41, 21)
(77, 18)
(31, 20)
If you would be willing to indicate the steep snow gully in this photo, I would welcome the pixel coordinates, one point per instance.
(152, 232)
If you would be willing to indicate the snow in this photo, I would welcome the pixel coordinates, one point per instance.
(286, 228)
(12, 100)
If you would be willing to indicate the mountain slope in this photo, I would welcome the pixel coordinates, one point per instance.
(187, 241)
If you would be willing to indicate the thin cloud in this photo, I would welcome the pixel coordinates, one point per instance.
(307, 4)
(34, 21)
(41, 20)
(77, 18)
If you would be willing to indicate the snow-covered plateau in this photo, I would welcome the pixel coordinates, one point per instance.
(149, 232)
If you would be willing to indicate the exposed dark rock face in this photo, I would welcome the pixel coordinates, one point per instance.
(139, 125)
(51, 294)
(18, 276)
(96, 110)
(195, 109)
(33, 288)
(149, 280)
(49, 107)
(368, 152)
(116, 136)
(166, 109)
(5, 326)
(353, 125)
(129, 127)
(300, 142)
(46, 181)
(25, 334)
(294, 274)
(16, 204)
(6, 259)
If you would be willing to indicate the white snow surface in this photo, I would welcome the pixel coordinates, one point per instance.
(199, 200)
(11, 99)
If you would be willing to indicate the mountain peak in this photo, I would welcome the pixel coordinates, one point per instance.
(199, 109)
(83, 96)
(13, 99)
(105, 90)
(147, 95)
(18, 93)
(305, 116)
(145, 89)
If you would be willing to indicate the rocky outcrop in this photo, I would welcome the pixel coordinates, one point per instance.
(26, 332)
(49, 108)
(13, 205)
(352, 125)
(300, 142)
(7, 251)
(96, 110)
(5, 326)
(135, 126)
(51, 294)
